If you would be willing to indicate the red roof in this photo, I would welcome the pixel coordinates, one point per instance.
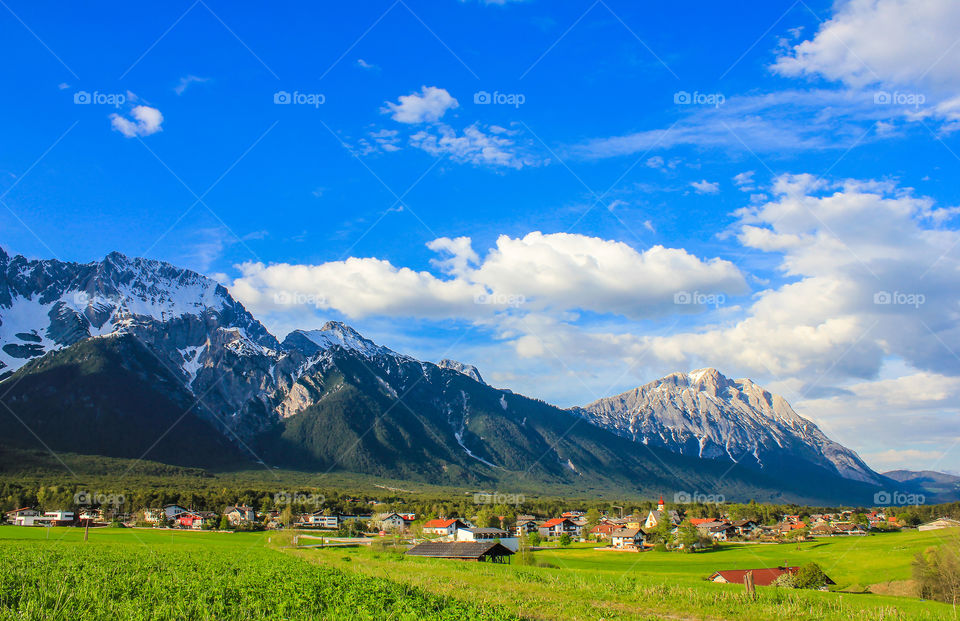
(761, 577)
(698, 521)
(604, 528)
(554, 521)
(439, 523)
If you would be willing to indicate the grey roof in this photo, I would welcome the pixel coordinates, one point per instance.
(459, 549)
(626, 532)
(487, 531)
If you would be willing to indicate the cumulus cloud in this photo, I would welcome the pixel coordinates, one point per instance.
(145, 121)
(536, 273)
(427, 106)
(883, 41)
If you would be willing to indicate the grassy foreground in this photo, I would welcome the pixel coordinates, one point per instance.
(151, 574)
(137, 575)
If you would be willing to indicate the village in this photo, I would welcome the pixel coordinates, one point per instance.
(494, 539)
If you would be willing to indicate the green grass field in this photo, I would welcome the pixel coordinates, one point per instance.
(146, 574)
(140, 574)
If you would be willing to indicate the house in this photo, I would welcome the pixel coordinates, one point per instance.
(240, 514)
(479, 551)
(627, 538)
(823, 530)
(604, 530)
(791, 519)
(850, 529)
(940, 523)
(489, 534)
(23, 517)
(55, 518)
(443, 526)
(761, 577)
(555, 527)
(721, 532)
(167, 513)
(745, 528)
(389, 521)
(699, 521)
(525, 526)
(319, 520)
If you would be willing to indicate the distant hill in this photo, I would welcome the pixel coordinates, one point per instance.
(938, 487)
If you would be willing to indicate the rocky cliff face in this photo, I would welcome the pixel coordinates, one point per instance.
(706, 414)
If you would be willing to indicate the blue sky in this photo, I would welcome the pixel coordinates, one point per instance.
(577, 197)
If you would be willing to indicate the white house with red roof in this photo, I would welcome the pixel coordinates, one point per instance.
(556, 527)
(443, 526)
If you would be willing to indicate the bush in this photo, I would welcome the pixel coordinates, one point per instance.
(937, 572)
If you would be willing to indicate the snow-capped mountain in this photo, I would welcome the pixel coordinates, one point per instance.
(106, 357)
(706, 414)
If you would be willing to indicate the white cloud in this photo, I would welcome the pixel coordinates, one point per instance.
(146, 121)
(744, 181)
(490, 146)
(899, 42)
(365, 65)
(539, 272)
(428, 106)
(186, 81)
(63, 86)
(792, 120)
(706, 187)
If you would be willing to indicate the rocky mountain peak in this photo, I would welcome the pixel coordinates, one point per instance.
(467, 369)
(708, 414)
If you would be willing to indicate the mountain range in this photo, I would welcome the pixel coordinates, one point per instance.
(136, 358)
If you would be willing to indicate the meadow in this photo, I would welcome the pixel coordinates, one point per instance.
(141, 574)
(580, 582)
(152, 574)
